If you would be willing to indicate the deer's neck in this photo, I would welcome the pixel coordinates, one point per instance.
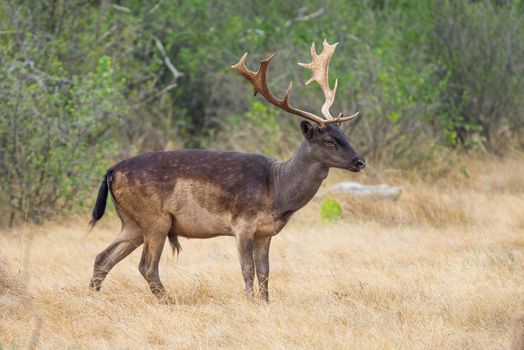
(296, 181)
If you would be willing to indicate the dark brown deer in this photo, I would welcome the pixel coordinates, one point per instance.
(203, 194)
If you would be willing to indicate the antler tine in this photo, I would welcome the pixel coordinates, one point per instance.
(319, 66)
(259, 83)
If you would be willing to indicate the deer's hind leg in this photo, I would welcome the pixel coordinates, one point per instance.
(155, 234)
(129, 238)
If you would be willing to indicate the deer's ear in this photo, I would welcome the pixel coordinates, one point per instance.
(308, 129)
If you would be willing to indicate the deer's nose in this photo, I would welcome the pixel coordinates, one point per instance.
(359, 163)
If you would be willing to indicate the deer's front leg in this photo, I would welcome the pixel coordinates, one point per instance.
(245, 252)
(261, 255)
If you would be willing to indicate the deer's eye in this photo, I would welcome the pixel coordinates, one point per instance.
(330, 143)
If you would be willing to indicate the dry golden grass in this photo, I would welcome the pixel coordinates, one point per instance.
(442, 268)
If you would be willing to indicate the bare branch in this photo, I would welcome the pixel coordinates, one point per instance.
(167, 61)
(153, 96)
(154, 8)
(121, 8)
(313, 15)
(7, 32)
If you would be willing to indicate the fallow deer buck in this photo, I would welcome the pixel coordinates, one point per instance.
(203, 194)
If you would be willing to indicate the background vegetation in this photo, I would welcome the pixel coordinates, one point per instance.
(84, 83)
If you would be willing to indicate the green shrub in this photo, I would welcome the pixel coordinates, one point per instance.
(53, 135)
(425, 75)
(330, 210)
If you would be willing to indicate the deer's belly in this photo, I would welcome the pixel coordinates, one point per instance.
(202, 210)
(197, 222)
(198, 210)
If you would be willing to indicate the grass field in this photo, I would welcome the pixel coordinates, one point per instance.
(441, 268)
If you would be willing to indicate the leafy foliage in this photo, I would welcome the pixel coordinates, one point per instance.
(477, 46)
(52, 134)
(330, 210)
(83, 82)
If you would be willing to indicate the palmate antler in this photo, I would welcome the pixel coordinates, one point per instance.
(320, 69)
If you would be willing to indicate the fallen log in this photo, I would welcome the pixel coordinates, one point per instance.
(382, 190)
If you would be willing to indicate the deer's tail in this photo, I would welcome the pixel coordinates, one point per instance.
(101, 199)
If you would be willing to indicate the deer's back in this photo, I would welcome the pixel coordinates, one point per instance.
(206, 192)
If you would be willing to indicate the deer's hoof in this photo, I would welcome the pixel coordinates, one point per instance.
(95, 285)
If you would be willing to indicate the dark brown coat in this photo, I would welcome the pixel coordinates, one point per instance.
(203, 194)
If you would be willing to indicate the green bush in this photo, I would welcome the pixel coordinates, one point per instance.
(330, 210)
(53, 135)
(425, 75)
(477, 47)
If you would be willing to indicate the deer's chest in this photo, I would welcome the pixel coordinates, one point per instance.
(269, 224)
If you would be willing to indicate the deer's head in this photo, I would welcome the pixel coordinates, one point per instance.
(330, 146)
(327, 142)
